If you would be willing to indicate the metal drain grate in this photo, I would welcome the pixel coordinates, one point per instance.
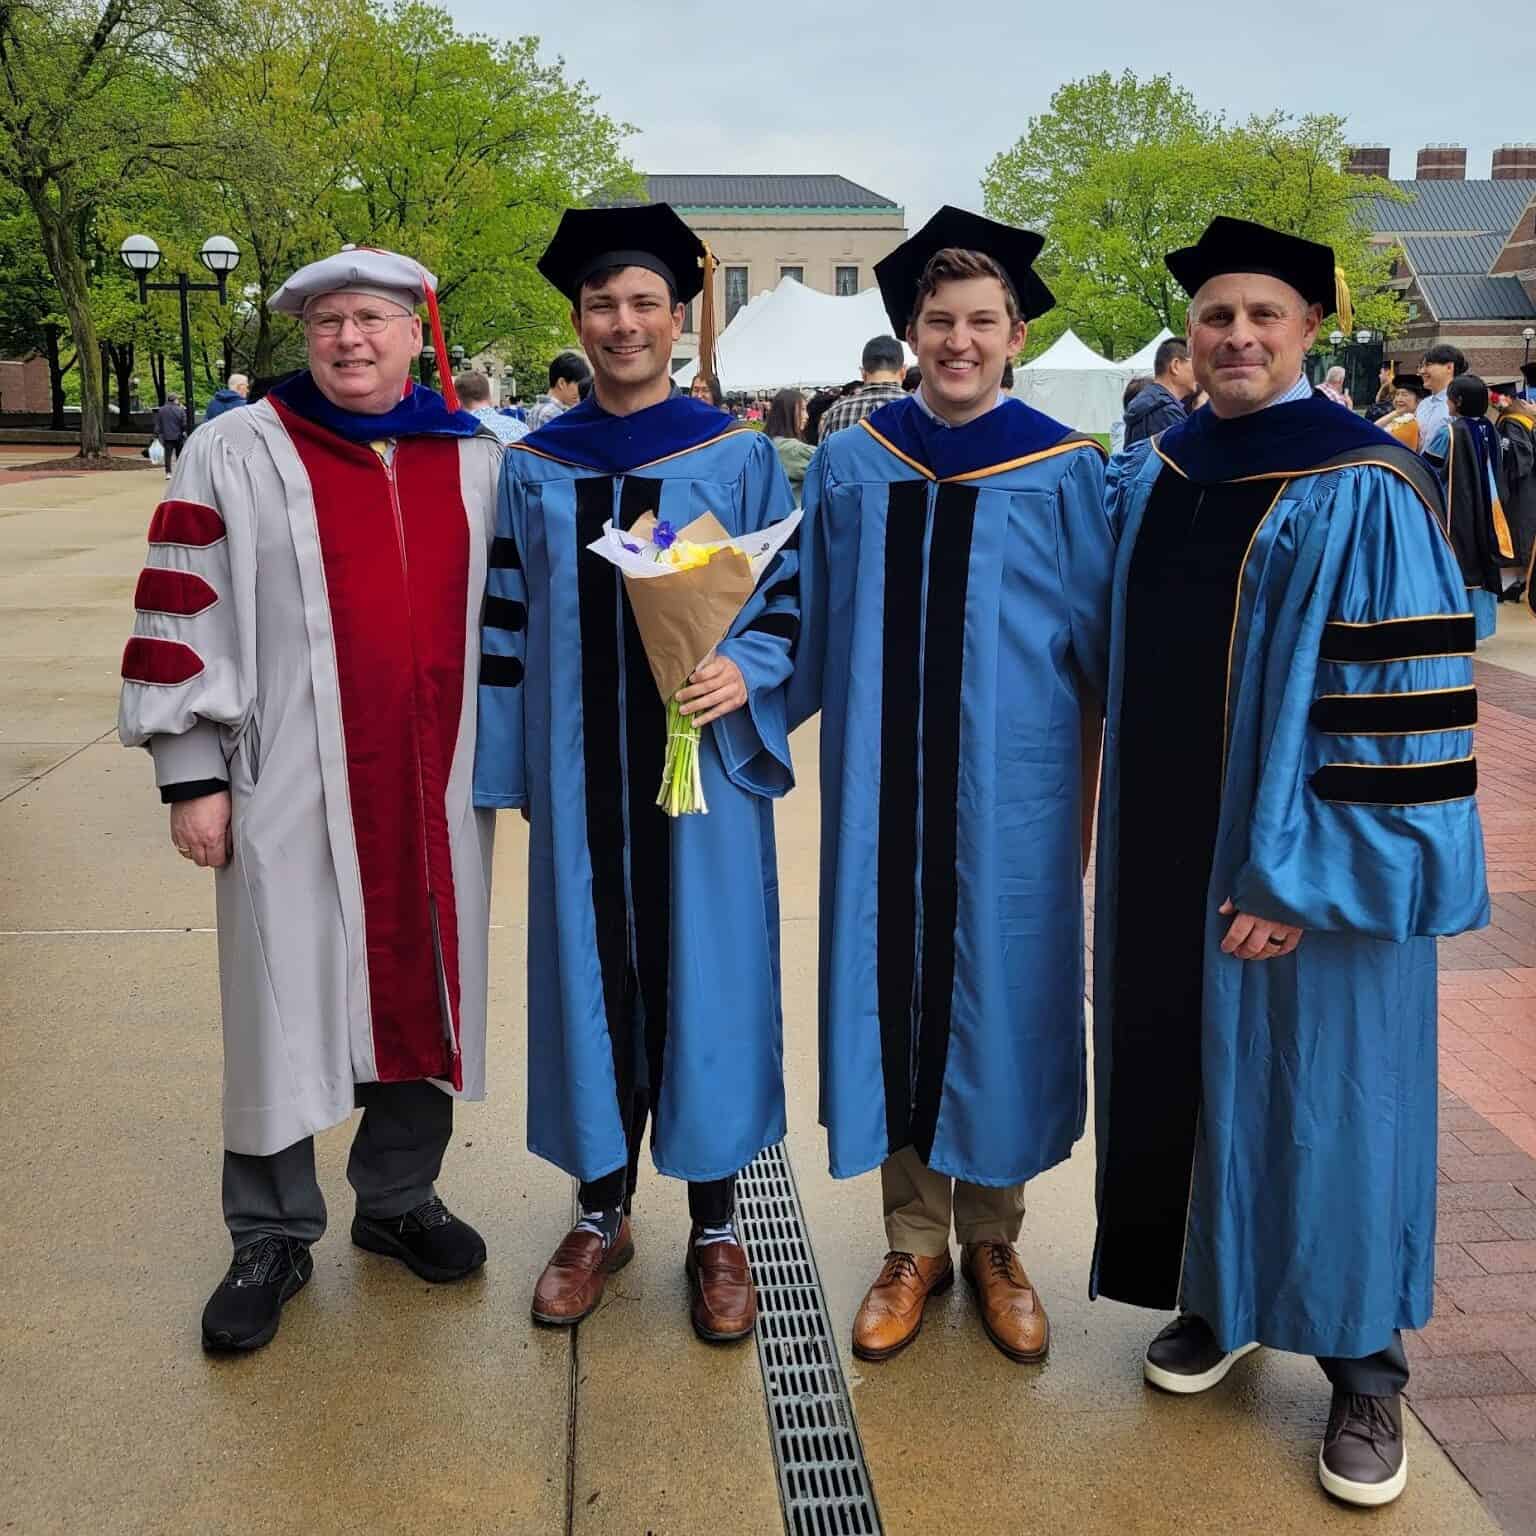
(823, 1482)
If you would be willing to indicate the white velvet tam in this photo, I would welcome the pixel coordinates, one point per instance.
(356, 269)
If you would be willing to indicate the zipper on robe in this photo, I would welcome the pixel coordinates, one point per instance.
(445, 1009)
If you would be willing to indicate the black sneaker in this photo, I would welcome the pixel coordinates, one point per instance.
(1185, 1356)
(1363, 1459)
(243, 1312)
(431, 1241)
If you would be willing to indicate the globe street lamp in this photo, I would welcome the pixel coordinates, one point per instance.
(1529, 335)
(219, 254)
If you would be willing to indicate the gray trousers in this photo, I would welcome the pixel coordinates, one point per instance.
(1383, 1374)
(396, 1156)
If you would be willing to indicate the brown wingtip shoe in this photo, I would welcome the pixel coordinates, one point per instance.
(724, 1300)
(573, 1280)
(891, 1314)
(1010, 1307)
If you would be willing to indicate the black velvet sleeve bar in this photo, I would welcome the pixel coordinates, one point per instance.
(191, 789)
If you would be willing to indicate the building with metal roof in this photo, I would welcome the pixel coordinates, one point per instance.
(1465, 262)
(693, 193)
(1449, 207)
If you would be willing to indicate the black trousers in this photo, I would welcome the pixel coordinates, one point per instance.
(1380, 1375)
(173, 447)
(710, 1204)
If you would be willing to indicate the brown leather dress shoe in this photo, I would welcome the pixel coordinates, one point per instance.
(724, 1300)
(1010, 1309)
(573, 1280)
(891, 1314)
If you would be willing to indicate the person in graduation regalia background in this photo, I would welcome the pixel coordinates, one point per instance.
(302, 670)
(955, 595)
(653, 942)
(1466, 452)
(1288, 821)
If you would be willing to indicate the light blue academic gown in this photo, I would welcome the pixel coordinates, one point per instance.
(955, 605)
(653, 943)
(1299, 1200)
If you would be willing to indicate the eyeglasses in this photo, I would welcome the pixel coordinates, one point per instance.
(368, 321)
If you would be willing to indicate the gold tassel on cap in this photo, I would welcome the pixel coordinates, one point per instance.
(1344, 305)
(707, 322)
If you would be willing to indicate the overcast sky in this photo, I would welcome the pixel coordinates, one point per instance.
(913, 97)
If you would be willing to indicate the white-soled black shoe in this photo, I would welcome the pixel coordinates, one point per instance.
(243, 1313)
(1186, 1358)
(1363, 1459)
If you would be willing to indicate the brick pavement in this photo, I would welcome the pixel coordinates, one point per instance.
(1474, 1366)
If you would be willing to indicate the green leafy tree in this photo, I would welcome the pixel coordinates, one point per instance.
(86, 93)
(1120, 171)
(463, 151)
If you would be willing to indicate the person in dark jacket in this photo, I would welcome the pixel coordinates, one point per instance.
(1161, 404)
(171, 428)
(227, 399)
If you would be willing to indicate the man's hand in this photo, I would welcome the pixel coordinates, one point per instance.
(200, 830)
(1256, 938)
(715, 689)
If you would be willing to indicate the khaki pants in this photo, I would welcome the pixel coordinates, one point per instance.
(920, 1204)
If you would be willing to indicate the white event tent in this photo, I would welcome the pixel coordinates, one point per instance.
(1071, 382)
(795, 337)
(1141, 362)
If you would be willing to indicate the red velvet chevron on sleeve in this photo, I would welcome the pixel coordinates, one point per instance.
(180, 593)
(186, 522)
(164, 662)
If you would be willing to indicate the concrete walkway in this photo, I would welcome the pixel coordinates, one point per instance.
(386, 1405)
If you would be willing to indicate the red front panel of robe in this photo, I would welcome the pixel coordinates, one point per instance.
(398, 618)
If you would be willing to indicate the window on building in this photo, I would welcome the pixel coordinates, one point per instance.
(688, 320)
(847, 282)
(1413, 311)
(798, 273)
(735, 292)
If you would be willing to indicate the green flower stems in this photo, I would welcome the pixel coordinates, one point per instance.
(682, 787)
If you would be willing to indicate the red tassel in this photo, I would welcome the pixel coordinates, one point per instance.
(444, 363)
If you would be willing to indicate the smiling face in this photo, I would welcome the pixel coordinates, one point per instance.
(963, 336)
(1436, 375)
(1405, 402)
(360, 350)
(627, 324)
(1248, 334)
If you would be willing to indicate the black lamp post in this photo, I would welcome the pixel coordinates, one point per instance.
(1528, 335)
(219, 254)
(428, 364)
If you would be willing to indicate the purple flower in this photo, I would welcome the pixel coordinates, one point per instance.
(634, 549)
(663, 535)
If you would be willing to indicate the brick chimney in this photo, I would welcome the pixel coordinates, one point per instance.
(1442, 162)
(1515, 162)
(1368, 160)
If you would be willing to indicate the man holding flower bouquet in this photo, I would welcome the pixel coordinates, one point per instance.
(653, 971)
(956, 563)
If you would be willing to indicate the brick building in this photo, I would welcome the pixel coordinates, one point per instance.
(1465, 254)
(24, 384)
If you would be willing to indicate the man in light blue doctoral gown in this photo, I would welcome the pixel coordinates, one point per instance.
(1288, 821)
(653, 958)
(955, 598)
